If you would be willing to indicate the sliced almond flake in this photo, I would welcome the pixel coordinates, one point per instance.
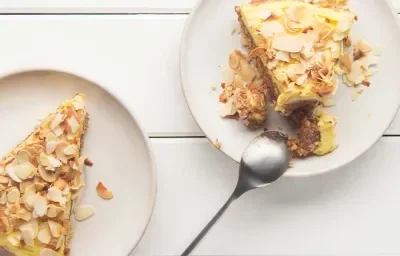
(24, 185)
(82, 212)
(58, 131)
(227, 75)
(30, 200)
(54, 194)
(78, 102)
(301, 79)
(13, 195)
(283, 56)
(356, 75)
(73, 124)
(30, 225)
(268, 29)
(11, 173)
(60, 183)
(4, 224)
(363, 46)
(54, 210)
(103, 191)
(57, 121)
(328, 102)
(46, 175)
(2, 188)
(346, 80)
(371, 71)
(24, 171)
(60, 152)
(48, 252)
(228, 109)
(60, 242)
(24, 214)
(40, 206)
(287, 43)
(291, 86)
(343, 24)
(23, 157)
(3, 198)
(55, 228)
(54, 162)
(51, 147)
(338, 36)
(70, 150)
(13, 240)
(27, 236)
(347, 62)
(4, 180)
(44, 235)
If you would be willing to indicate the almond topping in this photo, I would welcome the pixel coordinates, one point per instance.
(55, 229)
(40, 205)
(256, 52)
(27, 236)
(287, 43)
(46, 175)
(4, 180)
(13, 240)
(57, 121)
(103, 191)
(13, 195)
(44, 235)
(60, 242)
(70, 150)
(4, 224)
(82, 212)
(60, 152)
(73, 124)
(24, 171)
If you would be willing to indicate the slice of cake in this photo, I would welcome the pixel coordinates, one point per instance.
(39, 180)
(296, 46)
(316, 135)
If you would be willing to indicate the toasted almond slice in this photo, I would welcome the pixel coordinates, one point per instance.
(44, 235)
(60, 242)
(268, 29)
(46, 175)
(58, 131)
(256, 52)
(44, 160)
(27, 236)
(73, 124)
(264, 14)
(60, 152)
(51, 146)
(78, 103)
(24, 171)
(57, 121)
(70, 150)
(4, 224)
(2, 188)
(13, 240)
(24, 214)
(54, 194)
(60, 183)
(287, 43)
(4, 180)
(40, 205)
(82, 212)
(235, 58)
(301, 79)
(54, 210)
(363, 46)
(23, 157)
(48, 252)
(11, 173)
(103, 191)
(3, 198)
(55, 228)
(13, 195)
(347, 62)
(54, 162)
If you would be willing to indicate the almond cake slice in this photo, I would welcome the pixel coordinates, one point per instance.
(39, 180)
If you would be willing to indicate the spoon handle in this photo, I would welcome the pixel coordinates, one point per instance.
(210, 224)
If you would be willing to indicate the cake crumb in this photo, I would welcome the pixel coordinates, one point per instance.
(356, 93)
(217, 143)
(233, 31)
(213, 87)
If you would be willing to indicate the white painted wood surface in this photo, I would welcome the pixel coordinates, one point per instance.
(352, 211)
(141, 50)
(104, 6)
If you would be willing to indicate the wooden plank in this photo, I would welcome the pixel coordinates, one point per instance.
(104, 6)
(351, 211)
(97, 6)
(140, 51)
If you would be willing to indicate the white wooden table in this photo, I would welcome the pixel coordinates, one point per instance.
(352, 211)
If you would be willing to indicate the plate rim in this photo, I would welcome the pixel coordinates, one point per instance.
(185, 34)
(149, 149)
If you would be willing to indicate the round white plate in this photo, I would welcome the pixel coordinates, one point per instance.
(115, 143)
(208, 40)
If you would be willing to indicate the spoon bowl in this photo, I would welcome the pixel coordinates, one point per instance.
(264, 161)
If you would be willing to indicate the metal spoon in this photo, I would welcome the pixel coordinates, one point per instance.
(265, 160)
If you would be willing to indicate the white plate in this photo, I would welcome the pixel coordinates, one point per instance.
(207, 42)
(115, 143)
